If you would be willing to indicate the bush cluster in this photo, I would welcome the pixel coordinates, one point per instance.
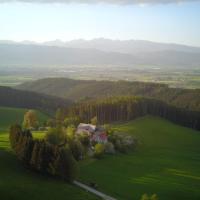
(122, 142)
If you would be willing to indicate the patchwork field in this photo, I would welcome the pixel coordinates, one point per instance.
(166, 162)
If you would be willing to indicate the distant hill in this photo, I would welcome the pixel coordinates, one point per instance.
(18, 54)
(82, 89)
(26, 99)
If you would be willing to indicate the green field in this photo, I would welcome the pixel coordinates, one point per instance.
(166, 162)
(18, 183)
(9, 116)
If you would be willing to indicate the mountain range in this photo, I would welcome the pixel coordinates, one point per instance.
(98, 52)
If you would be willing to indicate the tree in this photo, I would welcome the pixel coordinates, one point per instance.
(71, 131)
(59, 116)
(84, 139)
(24, 147)
(63, 164)
(56, 136)
(34, 155)
(42, 156)
(71, 121)
(14, 135)
(94, 120)
(77, 149)
(30, 120)
(51, 123)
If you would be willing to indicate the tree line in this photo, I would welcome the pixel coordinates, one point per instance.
(42, 156)
(126, 108)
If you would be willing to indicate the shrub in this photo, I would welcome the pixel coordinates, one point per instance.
(109, 148)
(122, 142)
(109, 130)
(99, 150)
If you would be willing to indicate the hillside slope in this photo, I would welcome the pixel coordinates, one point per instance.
(80, 89)
(10, 116)
(166, 162)
(26, 99)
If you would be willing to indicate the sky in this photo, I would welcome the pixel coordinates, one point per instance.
(160, 21)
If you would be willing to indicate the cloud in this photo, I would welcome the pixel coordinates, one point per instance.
(117, 2)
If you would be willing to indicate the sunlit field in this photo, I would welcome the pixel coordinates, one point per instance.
(166, 162)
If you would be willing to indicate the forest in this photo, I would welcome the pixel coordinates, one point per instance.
(126, 108)
(77, 90)
(10, 97)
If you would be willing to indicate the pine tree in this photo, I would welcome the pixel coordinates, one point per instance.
(14, 135)
(34, 156)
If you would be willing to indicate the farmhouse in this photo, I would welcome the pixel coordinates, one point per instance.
(96, 133)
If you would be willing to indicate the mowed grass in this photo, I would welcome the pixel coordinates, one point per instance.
(10, 116)
(16, 182)
(166, 162)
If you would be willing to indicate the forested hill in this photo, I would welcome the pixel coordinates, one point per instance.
(126, 108)
(81, 89)
(26, 99)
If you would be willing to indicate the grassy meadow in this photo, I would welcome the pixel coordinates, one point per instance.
(166, 162)
(10, 116)
(18, 183)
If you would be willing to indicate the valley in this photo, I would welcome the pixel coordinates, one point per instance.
(99, 100)
(181, 78)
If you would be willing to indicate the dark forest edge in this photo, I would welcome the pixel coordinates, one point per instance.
(10, 97)
(125, 108)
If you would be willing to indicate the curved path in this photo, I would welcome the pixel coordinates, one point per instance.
(92, 190)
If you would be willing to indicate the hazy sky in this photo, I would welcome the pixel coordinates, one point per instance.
(118, 19)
